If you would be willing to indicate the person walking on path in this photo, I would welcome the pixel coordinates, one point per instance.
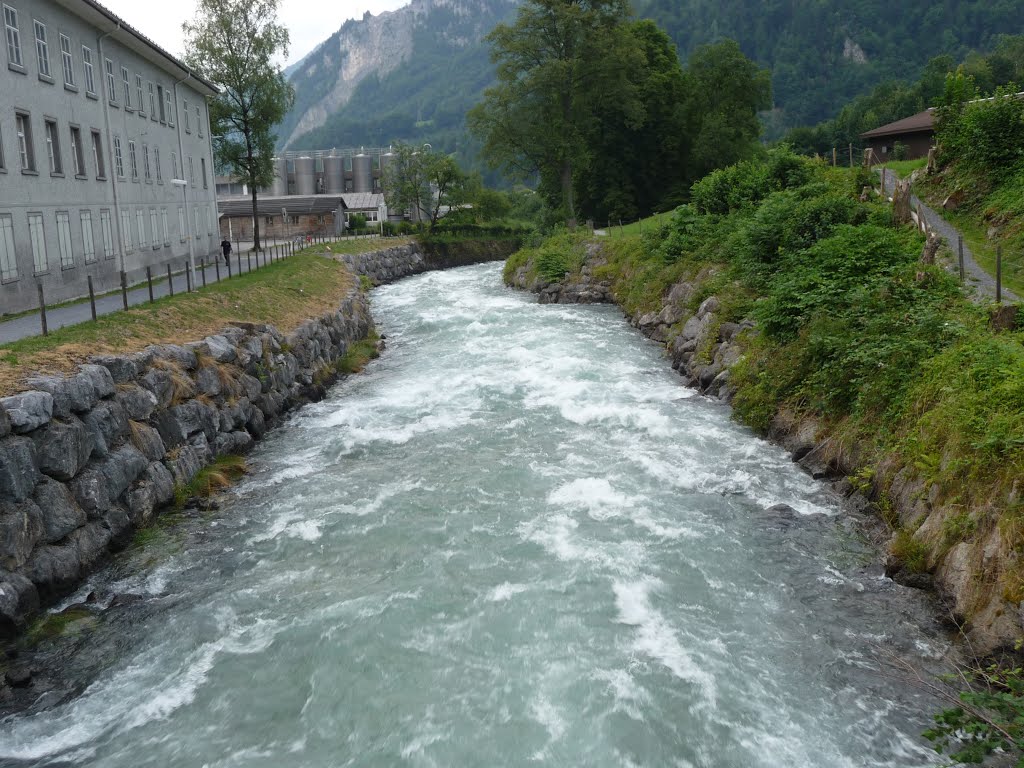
(225, 245)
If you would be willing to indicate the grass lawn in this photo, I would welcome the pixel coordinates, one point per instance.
(354, 245)
(639, 227)
(904, 168)
(284, 294)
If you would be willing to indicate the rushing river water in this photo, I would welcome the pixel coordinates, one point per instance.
(516, 540)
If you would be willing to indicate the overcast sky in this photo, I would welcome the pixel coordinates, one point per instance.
(309, 21)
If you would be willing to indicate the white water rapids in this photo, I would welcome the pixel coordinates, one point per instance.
(515, 540)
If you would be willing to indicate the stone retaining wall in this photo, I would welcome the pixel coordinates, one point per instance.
(400, 261)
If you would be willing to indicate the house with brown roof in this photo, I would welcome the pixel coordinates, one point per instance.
(915, 133)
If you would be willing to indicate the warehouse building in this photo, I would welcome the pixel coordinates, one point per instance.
(106, 159)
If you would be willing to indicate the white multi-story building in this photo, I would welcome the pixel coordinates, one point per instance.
(106, 159)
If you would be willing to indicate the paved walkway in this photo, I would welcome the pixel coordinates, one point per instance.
(58, 317)
(983, 283)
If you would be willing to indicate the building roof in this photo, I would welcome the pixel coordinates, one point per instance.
(295, 205)
(363, 201)
(922, 122)
(127, 35)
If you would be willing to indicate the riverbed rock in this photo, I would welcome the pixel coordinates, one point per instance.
(169, 428)
(207, 381)
(195, 416)
(63, 447)
(159, 477)
(54, 569)
(28, 410)
(158, 383)
(89, 488)
(19, 471)
(5, 423)
(221, 349)
(185, 465)
(61, 513)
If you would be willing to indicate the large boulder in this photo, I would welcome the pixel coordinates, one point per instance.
(28, 410)
(160, 384)
(122, 468)
(138, 403)
(19, 471)
(159, 477)
(99, 379)
(184, 466)
(18, 599)
(61, 513)
(208, 381)
(90, 490)
(71, 394)
(122, 369)
(169, 428)
(148, 441)
(220, 348)
(195, 416)
(5, 423)
(107, 423)
(63, 447)
(21, 528)
(54, 570)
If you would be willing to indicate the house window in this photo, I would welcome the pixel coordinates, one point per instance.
(133, 160)
(66, 62)
(197, 230)
(90, 79)
(38, 241)
(209, 224)
(88, 240)
(293, 219)
(108, 67)
(42, 48)
(160, 101)
(126, 231)
(140, 220)
(156, 162)
(67, 258)
(24, 130)
(13, 40)
(167, 232)
(140, 103)
(191, 171)
(77, 155)
(8, 258)
(167, 109)
(126, 84)
(202, 164)
(199, 122)
(188, 124)
(108, 235)
(152, 100)
(268, 220)
(97, 155)
(3, 163)
(53, 146)
(181, 223)
(321, 219)
(145, 164)
(118, 158)
(153, 228)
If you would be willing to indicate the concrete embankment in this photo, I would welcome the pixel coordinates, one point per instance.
(703, 349)
(87, 458)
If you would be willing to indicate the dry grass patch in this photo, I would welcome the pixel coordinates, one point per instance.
(284, 294)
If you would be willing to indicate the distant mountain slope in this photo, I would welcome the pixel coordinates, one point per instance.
(411, 74)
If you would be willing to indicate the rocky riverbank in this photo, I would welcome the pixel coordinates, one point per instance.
(704, 350)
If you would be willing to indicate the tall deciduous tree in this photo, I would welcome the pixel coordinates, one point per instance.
(555, 65)
(423, 182)
(233, 44)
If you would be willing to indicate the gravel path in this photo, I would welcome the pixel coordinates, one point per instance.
(984, 284)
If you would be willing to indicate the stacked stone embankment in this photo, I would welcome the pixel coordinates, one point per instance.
(390, 264)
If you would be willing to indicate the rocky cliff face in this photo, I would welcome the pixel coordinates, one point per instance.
(376, 46)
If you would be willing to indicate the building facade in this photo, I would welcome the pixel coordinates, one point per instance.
(906, 139)
(106, 159)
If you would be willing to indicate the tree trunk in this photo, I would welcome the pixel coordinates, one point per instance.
(255, 222)
(901, 202)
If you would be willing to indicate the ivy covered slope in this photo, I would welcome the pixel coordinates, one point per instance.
(845, 335)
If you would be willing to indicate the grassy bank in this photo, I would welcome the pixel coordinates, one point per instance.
(855, 332)
(356, 245)
(284, 294)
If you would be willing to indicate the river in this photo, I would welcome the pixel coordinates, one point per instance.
(515, 540)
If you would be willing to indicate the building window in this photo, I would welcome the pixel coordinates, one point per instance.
(188, 124)
(174, 166)
(195, 211)
(191, 172)
(167, 232)
(321, 219)
(133, 160)
(209, 224)
(8, 257)
(268, 221)
(24, 131)
(53, 146)
(199, 122)
(77, 154)
(97, 155)
(108, 66)
(118, 158)
(90, 80)
(293, 219)
(145, 164)
(42, 49)
(181, 223)
(13, 39)
(156, 162)
(67, 258)
(140, 220)
(3, 163)
(166, 110)
(152, 100)
(66, 62)
(126, 231)
(153, 229)
(88, 240)
(108, 235)
(126, 84)
(140, 103)
(202, 164)
(38, 240)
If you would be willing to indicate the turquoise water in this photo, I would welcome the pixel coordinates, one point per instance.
(516, 540)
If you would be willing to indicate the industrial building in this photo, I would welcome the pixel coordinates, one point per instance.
(330, 172)
(106, 160)
(297, 215)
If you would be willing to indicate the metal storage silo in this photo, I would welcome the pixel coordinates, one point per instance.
(305, 176)
(279, 187)
(362, 173)
(334, 171)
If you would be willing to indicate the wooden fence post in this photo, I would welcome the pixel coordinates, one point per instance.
(42, 307)
(203, 270)
(149, 282)
(999, 274)
(216, 267)
(170, 280)
(124, 288)
(960, 253)
(92, 298)
(188, 278)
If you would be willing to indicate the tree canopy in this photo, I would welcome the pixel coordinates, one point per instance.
(233, 43)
